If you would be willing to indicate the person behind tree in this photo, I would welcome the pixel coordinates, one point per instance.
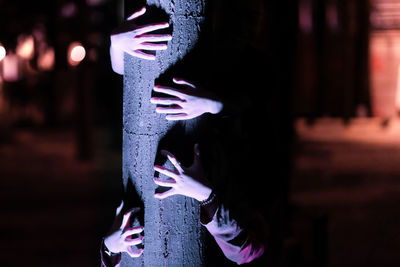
(240, 230)
(240, 242)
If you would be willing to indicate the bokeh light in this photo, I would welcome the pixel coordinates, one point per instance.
(46, 59)
(76, 53)
(25, 47)
(2, 52)
(10, 68)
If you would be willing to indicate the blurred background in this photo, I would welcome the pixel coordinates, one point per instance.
(60, 131)
(60, 137)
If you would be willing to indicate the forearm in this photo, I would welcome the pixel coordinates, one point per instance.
(238, 245)
(215, 106)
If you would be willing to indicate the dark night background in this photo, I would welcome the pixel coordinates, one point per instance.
(326, 77)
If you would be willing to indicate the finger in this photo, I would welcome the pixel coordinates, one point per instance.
(137, 14)
(178, 117)
(165, 194)
(166, 101)
(127, 215)
(165, 183)
(169, 91)
(154, 38)
(166, 172)
(169, 110)
(183, 82)
(173, 160)
(150, 46)
(119, 208)
(134, 254)
(150, 28)
(140, 54)
(134, 241)
(132, 231)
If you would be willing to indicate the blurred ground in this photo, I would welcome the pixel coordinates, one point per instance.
(346, 187)
(54, 208)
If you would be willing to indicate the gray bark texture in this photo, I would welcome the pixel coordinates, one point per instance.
(173, 235)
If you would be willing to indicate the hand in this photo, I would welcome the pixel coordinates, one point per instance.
(188, 182)
(130, 38)
(185, 104)
(121, 239)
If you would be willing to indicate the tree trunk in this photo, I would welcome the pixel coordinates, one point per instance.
(173, 234)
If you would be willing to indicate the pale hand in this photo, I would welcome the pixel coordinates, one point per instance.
(188, 182)
(132, 39)
(187, 103)
(121, 239)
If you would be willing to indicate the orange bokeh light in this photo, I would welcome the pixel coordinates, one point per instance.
(46, 59)
(25, 48)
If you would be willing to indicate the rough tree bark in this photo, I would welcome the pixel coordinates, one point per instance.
(173, 234)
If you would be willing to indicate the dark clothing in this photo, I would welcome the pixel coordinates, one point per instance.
(240, 245)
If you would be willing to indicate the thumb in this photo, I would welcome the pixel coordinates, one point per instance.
(183, 82)
(137, 14)
(119, 208)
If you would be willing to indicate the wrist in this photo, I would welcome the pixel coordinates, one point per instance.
(112, 39)
(116, 44)
(205, 195)
(117, 59)
(115, 49)
(107, 245)
(216, 107)
(208, 209)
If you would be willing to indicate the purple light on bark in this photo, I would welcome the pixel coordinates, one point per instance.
(173, 233)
